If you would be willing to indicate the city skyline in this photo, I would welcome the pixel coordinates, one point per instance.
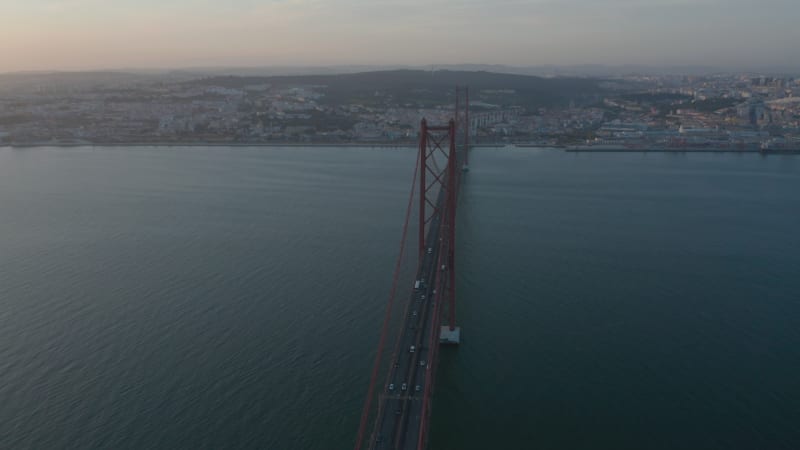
(97, 35)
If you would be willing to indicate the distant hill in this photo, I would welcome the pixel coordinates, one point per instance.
(409, 87)
(19, 82)
(428, 88)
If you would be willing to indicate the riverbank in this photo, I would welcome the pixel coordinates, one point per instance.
(679, 150)
(242, 144)
(574, 149)
(212, 144)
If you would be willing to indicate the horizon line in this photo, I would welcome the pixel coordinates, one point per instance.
(671, 69)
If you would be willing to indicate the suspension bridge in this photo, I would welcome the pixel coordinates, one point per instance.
(397, 409)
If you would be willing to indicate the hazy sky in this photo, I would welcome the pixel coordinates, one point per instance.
(96, 34)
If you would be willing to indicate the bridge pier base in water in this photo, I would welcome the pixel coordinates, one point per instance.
(450, 337)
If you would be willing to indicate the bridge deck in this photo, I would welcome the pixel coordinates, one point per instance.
(400, 411)
(403, 407)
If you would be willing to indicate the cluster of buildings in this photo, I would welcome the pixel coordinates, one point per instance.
(720, 112)
(711, 112)
(189, 112)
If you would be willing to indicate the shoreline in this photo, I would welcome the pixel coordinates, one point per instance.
(388, 145)
(684, 150)
(234, 144)
(206, 144)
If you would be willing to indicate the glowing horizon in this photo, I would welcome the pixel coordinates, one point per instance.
(149, 34)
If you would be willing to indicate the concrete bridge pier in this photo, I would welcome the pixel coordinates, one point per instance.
(450, 337)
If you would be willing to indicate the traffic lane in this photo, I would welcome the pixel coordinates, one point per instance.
(396, 406)
(414, 422)
(416, 323)
(386, 436)
(409, 334)
(403, 364)
(426, 329)
(414, 427)
(423, 319)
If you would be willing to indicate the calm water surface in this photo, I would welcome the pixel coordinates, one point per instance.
(205, 298)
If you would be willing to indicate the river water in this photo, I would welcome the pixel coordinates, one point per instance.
(213, 297)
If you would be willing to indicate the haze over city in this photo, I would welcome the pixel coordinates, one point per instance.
(96, 34)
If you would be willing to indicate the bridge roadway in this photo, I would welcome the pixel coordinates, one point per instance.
(399, 420)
